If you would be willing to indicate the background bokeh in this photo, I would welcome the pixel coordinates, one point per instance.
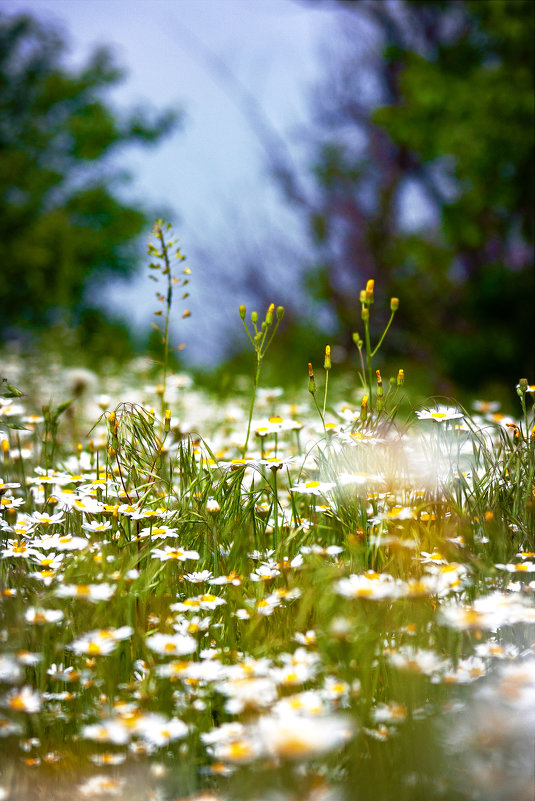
(299, 149)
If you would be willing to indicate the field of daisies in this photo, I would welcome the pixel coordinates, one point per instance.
(298, 599)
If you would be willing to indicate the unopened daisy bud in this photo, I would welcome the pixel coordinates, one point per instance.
(369, 290)
(364, 408)
(394, 304)
(167, 421)
(401, 378)
(243, 311)
(379, 384)
(357, 340)
(269, 314)
(362, 296)
(254, 317)
(311, 382)
(258, 336)
(523, 385)
(365, 313)
(212, 506)
(280, 312)
(327, 361)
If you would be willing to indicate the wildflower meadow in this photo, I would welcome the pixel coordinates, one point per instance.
(314, 598)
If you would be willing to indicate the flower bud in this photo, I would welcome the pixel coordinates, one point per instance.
(523, 385)
(362, 296)
(369, 291)
(243, 311)
(311, 382)
(394, 304)
(364, 408)
(365, 314)
(254, 317)
(269, 313)
(357, 340)
(280, 312)
(401, 378)
(327, 362)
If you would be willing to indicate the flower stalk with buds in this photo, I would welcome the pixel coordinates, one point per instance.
(366, 300)
(161, 250)
(260, 338)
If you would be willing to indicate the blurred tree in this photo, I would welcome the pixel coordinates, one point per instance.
(422, 165)
(63, 226)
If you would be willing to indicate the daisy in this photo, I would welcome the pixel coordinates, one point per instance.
(442, 414)
(41, 616)
(168, 553)
(17, 549)
(370, 585)
(94, 527)
(313, 487)
(206, 601)
(159, 731)
(47, 520)
(89, 592)
(295, 736)
(171, 644)
(100, 642)
(24, 700)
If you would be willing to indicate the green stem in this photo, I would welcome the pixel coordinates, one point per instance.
(256, 378)
(383, 334)
(369, 360)
(275, 508)
(325, 393)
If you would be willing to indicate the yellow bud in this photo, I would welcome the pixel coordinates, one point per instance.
(327, 361)
(243, 311)
(394, 304)
(280, 312)
(401, 378)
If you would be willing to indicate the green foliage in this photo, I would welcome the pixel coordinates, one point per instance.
(455, 88)
(63, 223)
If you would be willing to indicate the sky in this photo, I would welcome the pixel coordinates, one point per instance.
(210, 175)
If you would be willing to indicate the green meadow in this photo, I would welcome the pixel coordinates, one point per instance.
(267, 596)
